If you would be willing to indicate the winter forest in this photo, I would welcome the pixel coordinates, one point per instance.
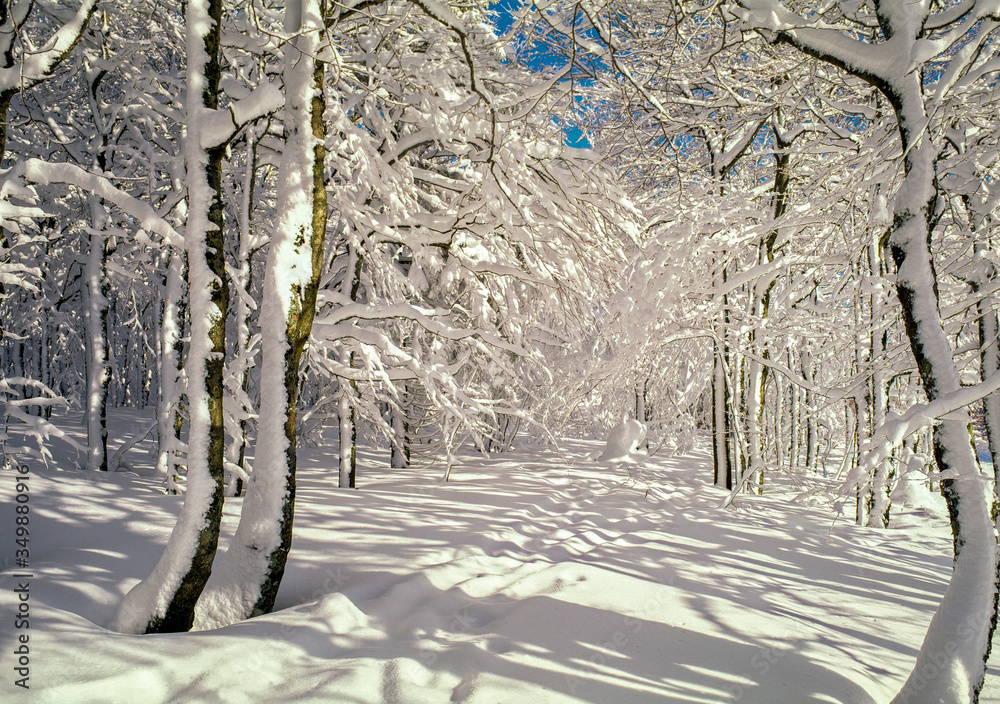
(415, 351)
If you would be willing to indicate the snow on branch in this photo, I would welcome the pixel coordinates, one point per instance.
(44, 173)
(36, 66)
(965, 11)
(897, 428)
(13, 215)
(334, 321)
(220, 126)
(878, 63)
(20, 422)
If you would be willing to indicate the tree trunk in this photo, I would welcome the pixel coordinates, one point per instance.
(720, 421)
(721, 436)
(794, 417)
(762, 306)
(96, 318)
(968, 612)
(349, 387)
(97, 289)
(165, 601)
(879, 501)
(641, 409)
(399, 457)
(250, 572)
(990, 364)
(243, 309)
(951, 664)
(989, 355)
(779, 420)
(348, 434)
(812, 438)
(171, 359)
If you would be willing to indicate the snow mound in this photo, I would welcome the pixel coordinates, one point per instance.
(624, 441)
(912, 490)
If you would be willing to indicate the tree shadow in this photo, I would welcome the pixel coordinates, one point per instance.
(478, 649)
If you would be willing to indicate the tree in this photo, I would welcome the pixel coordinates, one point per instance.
(947, 44)
(252, 567)
(164, 602)
(23, 65)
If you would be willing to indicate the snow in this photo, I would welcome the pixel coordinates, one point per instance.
(912, 490)
(42, 172)
(220, 126)
(623, 441)
(534, 576)
(950, 665)
(37, 65)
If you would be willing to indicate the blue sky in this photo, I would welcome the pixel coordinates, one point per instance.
(573, 136)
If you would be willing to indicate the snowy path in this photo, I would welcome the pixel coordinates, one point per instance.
(534, 577)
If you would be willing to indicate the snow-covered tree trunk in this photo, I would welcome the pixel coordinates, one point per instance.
(399, 420)
(399, 457)
(115, 390)
(989, 331)
(736, 363)
(754, 417)
(249, 575)
(640, 401)
(973, 587)
(641, 407)
(165, 601)
(96, 314)
(97, 289)
(47, 343)
(861, 407)
(812, 432)
(721, 435)
(951, 664)
(757, 386)
(778, 421)
(754, 387)
(880, 482)
(172, 312)
(720, 421)
(348, 464)
(243, 308)
(794, 416)
(989, 356)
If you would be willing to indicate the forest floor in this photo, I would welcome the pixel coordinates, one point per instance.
(534, 576)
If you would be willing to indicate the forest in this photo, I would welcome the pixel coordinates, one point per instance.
(519, 351)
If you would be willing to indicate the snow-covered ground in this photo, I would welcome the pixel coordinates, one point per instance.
(531, 577)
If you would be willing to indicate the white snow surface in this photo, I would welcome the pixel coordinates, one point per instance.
(534, 576)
